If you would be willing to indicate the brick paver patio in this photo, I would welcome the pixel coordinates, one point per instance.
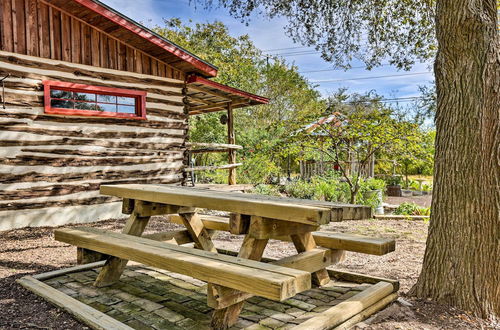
(150, 298)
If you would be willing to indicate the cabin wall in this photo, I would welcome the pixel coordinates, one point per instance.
(51, 166)
(34, 27)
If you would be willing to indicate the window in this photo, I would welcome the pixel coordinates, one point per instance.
(64, 98)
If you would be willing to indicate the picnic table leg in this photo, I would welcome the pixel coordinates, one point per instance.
(305, 242)
(223, 318)
(198, 232)
(114, 266)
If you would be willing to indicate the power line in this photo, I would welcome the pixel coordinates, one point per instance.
(305, 52)
(276, 49)
(397, 99)
(374, 77)
(341, 69)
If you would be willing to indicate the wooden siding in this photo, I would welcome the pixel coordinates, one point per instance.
(37, 28)
(51, 166)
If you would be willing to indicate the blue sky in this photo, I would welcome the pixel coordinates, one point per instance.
(269, 34)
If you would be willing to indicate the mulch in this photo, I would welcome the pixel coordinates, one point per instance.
(34, 250)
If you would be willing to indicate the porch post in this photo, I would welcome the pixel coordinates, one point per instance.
(231, 140)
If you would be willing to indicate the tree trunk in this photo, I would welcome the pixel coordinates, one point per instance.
(462, 260)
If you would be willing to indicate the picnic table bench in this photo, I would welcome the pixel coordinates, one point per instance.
(231, 278)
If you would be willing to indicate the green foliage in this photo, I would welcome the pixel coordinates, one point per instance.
(331, 189)
(257, 168)
(241, 64)
(412, 209)
(427, 187)
(219, 177)
(370, 31)
(373, 184)
(300, 189)
(393, 180)
(415, 185)
(266, 189)
(359, 127)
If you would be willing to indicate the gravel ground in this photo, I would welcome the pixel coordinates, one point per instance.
(424, 201)
(33, 251)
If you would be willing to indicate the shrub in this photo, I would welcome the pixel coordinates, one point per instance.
(255, 169)
(266, 189)
(372, 184)
(393, 180)
(427, 187)
(412, 209)
(300, 189)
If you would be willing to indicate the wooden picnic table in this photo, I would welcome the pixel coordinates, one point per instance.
(231, 279)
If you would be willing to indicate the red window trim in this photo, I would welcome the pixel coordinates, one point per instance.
(139, 95)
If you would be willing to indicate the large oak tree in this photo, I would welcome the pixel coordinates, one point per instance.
(461, 265)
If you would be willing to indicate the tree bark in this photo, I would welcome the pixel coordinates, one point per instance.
(462, 260)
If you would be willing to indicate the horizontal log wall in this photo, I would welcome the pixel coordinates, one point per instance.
(34, 27)
(51, 166)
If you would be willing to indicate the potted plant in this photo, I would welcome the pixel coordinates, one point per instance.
(394, 186)
(372, 191)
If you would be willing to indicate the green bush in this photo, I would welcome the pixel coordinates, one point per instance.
(300, 189)
(257, 169)
(427, 187)
(412, 209)
(215, 176)
(415, 185)
(372, 184)
(393, 180)
(266, 189)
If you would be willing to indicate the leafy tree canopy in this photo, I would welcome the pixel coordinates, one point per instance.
(367, 30)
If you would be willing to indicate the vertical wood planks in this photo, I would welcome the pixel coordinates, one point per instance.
(55, 32)
(36, 28)
(31, 13)
(66, 37)
(19, 26)
(6, 30)
(43, 30)
(95, 46)
(75, 41)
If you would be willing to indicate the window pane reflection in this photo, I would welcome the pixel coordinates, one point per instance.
(126, 100)
(60, 94)
(106, 107)
(62, 104)
(126, 109)
(106, 98)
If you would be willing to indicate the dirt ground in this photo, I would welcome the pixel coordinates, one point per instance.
(33, 250)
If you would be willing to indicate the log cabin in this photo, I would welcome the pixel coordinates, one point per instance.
(91, 97)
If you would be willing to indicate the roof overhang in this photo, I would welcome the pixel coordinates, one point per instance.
(131, 32)
(209, 96)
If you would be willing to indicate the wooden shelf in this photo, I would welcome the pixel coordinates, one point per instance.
(196, 146)
(209, 168)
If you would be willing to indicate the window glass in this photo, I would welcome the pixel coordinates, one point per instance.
(84, 96)
(85, 105)
(62, 104)
(106, 107)
(106, 98)
(90, 100)
(126, 100)
(60, 94)
(126, 108)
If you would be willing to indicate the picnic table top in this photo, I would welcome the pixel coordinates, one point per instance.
(287, 209)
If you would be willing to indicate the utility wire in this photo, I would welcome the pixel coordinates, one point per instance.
(374, 77)
(397, 99)
(341, 69)
(277, 49)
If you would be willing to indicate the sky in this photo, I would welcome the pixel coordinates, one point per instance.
(269, 36)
